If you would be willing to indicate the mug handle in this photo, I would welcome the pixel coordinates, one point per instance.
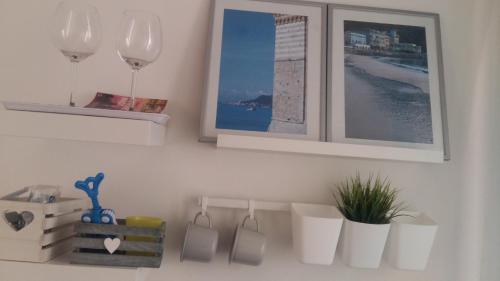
(248, 218)
(206, 215)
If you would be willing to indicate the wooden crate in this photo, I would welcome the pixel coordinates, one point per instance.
(47, 236)
(88, 246)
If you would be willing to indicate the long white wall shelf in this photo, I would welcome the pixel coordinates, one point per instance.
(80, 128)
(327, 148)
(61, 269)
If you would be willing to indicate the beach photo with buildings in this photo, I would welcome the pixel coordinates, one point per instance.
(262, 73)
(387, 94)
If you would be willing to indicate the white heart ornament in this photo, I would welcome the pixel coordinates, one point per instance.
(112, 244)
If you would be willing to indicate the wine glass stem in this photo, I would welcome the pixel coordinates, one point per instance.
(74, 84)
(132, 90)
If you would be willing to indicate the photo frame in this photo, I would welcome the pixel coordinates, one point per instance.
(385, 84)
(266, 70)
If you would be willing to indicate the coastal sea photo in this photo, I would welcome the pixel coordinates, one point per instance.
(387, 92)
(262, 73)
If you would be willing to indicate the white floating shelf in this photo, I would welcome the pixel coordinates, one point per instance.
(328, 148)
(80, 128)
(61, 269)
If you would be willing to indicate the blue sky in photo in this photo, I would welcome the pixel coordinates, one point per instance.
(247, 58)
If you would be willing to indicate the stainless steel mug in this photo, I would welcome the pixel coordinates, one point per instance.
(249, 245)
(200, 242)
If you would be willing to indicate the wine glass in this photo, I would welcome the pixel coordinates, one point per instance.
(139, 43)
(76, 31)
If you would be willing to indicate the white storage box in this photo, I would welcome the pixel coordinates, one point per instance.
(316, 230)
(410, 241)
(37, 232)
(362, 244)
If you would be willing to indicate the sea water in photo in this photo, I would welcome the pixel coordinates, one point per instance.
(262, 73)
(387, 83)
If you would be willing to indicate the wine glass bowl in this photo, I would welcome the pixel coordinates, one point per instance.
(76, 31)
(139, 42)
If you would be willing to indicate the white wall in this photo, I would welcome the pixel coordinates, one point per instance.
(164, 181)
(488, 98)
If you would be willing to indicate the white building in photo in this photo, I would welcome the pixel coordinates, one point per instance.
(354, 38)
(289, 96)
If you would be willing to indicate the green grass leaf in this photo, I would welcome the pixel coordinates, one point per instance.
(372, 201)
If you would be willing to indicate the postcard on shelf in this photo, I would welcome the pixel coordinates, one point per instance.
(117, 102)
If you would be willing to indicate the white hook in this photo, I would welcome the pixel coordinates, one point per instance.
(204, 205)
(251, 208)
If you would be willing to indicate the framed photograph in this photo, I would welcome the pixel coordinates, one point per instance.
(385, 84)
(266, 70)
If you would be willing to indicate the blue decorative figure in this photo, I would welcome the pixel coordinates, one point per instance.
(97, 214)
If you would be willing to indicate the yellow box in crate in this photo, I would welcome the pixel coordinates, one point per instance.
(48, 233)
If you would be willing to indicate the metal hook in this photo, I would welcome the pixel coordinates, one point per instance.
(251, 209)
(204, 205)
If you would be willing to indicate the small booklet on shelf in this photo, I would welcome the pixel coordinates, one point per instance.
(117, 102)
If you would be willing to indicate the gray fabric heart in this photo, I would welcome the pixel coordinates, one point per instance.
(17, 220)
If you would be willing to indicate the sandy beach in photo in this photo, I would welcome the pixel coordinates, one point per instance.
(388, 71)
(386, 102)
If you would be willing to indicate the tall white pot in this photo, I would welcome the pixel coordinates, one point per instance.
(362, 244)
(410, 241)
(316, 230)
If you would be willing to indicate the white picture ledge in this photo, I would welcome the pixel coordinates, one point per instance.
(327, 148)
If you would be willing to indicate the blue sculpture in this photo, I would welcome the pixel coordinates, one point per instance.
(97, 214)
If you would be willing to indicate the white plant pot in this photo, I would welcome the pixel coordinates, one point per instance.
(410, 241)
(362, 244)
(316, 230)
